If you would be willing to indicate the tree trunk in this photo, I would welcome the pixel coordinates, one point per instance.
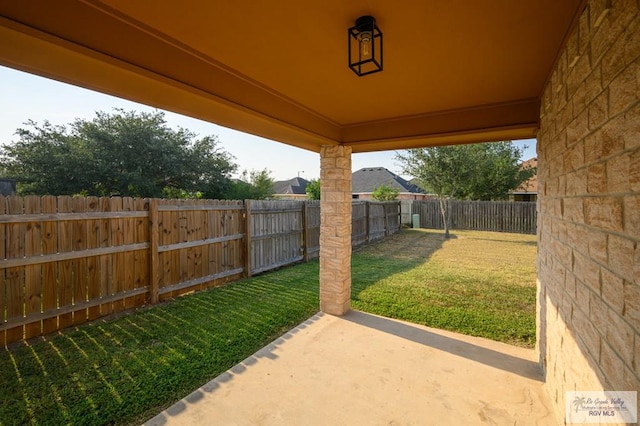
(445, 222)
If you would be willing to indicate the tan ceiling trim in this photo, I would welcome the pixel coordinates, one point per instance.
(123, 41)
(455, 138)
(513, 115)
(32, 51)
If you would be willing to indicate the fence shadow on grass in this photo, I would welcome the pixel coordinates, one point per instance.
(123, 370)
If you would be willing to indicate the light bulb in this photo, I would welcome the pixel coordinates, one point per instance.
(365, 44)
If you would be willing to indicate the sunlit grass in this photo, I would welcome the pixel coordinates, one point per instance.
(477, 283)
(125, 370)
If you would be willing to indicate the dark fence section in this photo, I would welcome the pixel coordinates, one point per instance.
(516, 217)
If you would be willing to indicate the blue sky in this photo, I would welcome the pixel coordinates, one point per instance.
(28, 97)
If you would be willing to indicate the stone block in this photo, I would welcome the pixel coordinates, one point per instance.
(598, 313)
(632, 216)
(593, 84)
(629, 124)
(612, 367)
(587, 271)
(621, 252)
(598, 111)
(574, 157)
(570, 285)
(573, 209)
(581, 239)
(584, 30)
(598, 246)
(631, 380)
(577, 182)
(604, 212)
(336, 196)
(583, 297)
(636, 364)
(614, 61)
(631, 41)
(562, 252)
(337, 308)
(612, 290)
(579, 99)
(588, 334)
(618, 173)
(343, 163)
(631, 297)
(634, 170)
(609, 140)
(597, 179)
(623, 90)
(578, 128)
(598, 10)
(577, 74)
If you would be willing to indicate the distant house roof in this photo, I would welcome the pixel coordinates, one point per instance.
(368, 179)
(530, 186)
(296, 185)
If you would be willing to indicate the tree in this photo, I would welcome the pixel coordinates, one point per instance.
(498, 171)
(479, 172)
(313, 189)
(385, 193)
(254, 185)
(122, 153)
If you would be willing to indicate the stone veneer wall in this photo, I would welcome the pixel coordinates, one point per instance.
(335, 229)
(589, 207)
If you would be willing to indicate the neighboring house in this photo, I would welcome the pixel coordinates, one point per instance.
(528, 191)
(365, 181)
(293, 188)
(7, 186)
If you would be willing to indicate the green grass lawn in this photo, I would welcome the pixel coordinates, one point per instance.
(477, 283)
(126, 369)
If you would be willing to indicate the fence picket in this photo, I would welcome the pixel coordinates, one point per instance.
(92, 241)
(33, 273)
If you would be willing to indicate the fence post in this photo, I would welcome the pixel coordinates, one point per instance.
(366, 221)
(305, 232)
(386, 219)
(154, 259)
(247, 233)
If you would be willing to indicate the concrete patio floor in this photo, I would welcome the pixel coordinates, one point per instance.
(362, 369)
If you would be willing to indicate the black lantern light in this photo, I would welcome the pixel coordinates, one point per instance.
(365, 46)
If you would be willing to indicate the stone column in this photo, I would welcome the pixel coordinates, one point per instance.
(335, 229)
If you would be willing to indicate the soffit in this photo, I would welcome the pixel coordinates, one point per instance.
(455, 71)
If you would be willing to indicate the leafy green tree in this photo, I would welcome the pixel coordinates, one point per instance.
(385, 193)
(254, 185)
(313, 189)
(478, 172)
(119, 153)
(498, 171)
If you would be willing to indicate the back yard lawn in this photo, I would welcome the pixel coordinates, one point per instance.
(126, 369)
(476, 283)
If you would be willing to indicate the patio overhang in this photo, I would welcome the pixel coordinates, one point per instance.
(456, 72)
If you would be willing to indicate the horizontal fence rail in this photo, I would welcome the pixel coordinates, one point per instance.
(500, 216)
(68, 260)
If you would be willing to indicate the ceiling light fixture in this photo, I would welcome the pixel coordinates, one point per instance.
(365, 46)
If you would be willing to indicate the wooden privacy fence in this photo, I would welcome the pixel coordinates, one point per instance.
(501, 216)
(65, 261)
